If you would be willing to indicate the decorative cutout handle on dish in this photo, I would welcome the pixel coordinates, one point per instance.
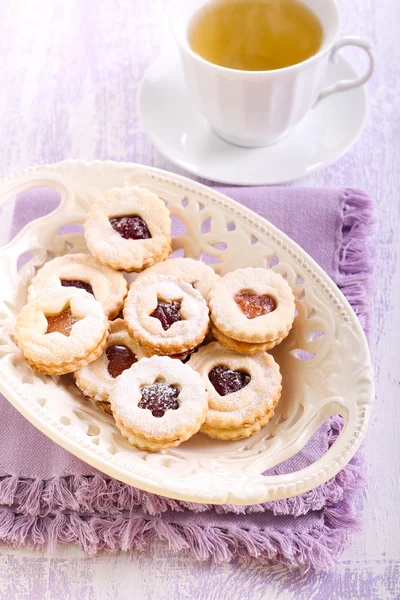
(349, 84)
(27, 180)
(355, 418)
(48, 183)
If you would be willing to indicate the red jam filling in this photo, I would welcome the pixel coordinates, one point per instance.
(82, 285)
(227, 381)
(61, 323)
(159, 398)
(119, 359)
(167, 313)
(254, 305)
(131, 227)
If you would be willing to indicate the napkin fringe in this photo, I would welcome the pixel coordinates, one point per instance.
(316, 548)
(355, 252)
(88, 495)
(96, 514)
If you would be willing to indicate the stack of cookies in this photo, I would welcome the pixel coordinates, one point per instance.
(144, 355)
(242, 391)
(61, 331)
(252, 310)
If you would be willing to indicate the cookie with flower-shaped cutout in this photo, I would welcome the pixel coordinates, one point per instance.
(158, 403)
(201, 276)
(252, 306)
(128, 229)
(109, 287)
(166, 315)
(242, 391)
(61, 331)
(96, 379)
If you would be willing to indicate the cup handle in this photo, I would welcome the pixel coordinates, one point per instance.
(348, 84)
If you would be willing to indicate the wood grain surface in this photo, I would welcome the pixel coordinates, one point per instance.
(69, 75)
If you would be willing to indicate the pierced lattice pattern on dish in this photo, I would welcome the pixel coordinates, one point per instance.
(325, 360)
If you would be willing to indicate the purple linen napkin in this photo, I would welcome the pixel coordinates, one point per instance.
(47, 495)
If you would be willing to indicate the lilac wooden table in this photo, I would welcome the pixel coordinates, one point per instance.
(69, 74)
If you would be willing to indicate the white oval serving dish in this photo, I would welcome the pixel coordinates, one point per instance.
(338, 379)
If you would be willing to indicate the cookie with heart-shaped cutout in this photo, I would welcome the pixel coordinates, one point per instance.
(251, 306)
(243, 391)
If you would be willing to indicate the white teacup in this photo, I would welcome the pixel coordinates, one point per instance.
(258, 108)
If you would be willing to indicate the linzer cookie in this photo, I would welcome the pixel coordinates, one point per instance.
(166, 315)
(61, 331)
(158, 403)
(244, 347)
(252, 307)
(242, 391)
(82, 271)
(128, 229)
(121, 352)
(201, 276)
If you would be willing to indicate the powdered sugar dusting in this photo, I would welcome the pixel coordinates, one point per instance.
(108, 286)
(159, 397)
(167, 313)
(131, 227)
(254, 305)
(201, 276)
(94, 379)
(61, 323)
(143, 299)
(250, 402)
(56, 348)
(126, 395)
(227, 381)
(228, 316)
(129, 254)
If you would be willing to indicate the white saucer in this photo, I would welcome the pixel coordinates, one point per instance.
(181, 134)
